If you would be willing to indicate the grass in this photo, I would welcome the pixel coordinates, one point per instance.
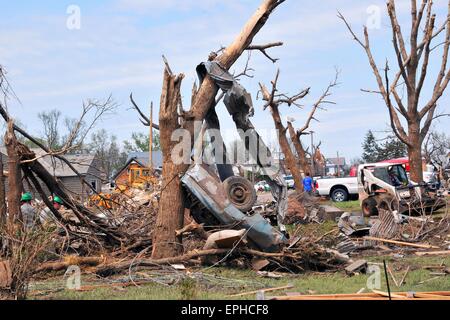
(352, 206)
(418, 279)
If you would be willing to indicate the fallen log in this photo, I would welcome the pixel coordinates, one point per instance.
(70, 261)
(123, 265)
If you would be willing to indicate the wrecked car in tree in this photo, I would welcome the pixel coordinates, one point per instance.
(215, 195)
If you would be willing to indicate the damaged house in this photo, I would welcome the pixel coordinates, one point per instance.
(137, 166)
(87, 165)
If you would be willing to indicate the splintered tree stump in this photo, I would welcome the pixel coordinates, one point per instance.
(166, 242)
(14, 179)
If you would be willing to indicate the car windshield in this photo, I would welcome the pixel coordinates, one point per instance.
(393, 175)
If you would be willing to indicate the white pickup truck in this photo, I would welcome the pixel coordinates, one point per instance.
(338, 189)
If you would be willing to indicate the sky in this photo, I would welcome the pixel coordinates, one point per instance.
(55, 60)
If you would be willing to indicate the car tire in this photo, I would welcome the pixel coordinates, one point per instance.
(339, 195)
(241, 193)
(369, 207)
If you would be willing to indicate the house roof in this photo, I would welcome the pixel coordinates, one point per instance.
(81, 162)
(143, 158)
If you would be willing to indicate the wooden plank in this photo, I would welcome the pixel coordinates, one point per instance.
(400, 243)
(433, 253)
(392, 275)
(262, 290)
(386, 294)
(376, 295)
(404, 277)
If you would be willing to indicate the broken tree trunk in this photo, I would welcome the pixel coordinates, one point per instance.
(14, 181)
(296, 141)
(2, 195)
(166, 243)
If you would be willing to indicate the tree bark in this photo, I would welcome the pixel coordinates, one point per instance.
(415, 153)
(295, 138)
(14, 181)
(166, 243)
(2, 195)
(291, 161)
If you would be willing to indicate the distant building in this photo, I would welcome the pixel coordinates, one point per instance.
(88, 167)
(332, 165)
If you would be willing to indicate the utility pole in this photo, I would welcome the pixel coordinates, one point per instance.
(150, 148)
(338, 165)
(312, 154)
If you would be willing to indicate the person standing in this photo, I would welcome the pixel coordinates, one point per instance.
(28, 211)
(46, 216)
(308, 184)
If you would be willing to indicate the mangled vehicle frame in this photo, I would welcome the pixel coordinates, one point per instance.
(215, 195)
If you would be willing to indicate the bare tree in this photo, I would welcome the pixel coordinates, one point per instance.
(92, 112)
(274, 100)
(51, 124)
(436, 149)
(105, 147)
(413, 64)
(296, 135)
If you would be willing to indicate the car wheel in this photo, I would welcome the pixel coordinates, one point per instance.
(339, 195)
(241, 193)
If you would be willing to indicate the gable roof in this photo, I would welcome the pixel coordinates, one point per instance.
(81, 162)
(143, 158)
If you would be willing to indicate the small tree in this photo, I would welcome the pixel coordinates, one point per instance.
(370, 148)
(140, 142)
(105, 147)
(391, 148)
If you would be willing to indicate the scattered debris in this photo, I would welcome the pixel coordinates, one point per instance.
(359, 266)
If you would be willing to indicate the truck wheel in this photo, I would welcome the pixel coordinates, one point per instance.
(339, 195)
(369, 207)
(241, 193)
